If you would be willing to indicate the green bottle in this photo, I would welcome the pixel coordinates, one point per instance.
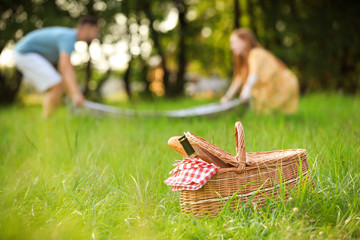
(187, 147)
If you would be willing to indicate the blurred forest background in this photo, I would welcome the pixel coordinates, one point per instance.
(164, 44)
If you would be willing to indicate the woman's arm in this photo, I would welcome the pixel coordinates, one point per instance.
(248, 86)
(233, 89)
(255, 61)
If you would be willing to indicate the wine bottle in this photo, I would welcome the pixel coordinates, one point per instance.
(187, 147)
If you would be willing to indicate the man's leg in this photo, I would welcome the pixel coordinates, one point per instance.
(52, 99)
(42, 74)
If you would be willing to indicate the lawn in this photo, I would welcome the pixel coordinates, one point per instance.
(90, 177)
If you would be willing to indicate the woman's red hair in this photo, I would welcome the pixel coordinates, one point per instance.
(241, 62)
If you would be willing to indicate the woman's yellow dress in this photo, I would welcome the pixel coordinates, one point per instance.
(277, 88)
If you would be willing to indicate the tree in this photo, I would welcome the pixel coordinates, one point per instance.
(314, 38)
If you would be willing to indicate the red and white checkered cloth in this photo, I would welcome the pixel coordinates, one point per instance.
(191, 174)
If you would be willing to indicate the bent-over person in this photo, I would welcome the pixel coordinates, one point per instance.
(43, 57)
(264, 80)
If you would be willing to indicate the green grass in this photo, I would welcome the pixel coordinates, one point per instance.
(88, 177)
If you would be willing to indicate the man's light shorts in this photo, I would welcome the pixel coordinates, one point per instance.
(37, 70)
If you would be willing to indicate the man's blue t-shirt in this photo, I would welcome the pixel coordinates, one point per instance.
(48, 42)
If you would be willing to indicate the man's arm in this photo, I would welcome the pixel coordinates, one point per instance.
(67, 72)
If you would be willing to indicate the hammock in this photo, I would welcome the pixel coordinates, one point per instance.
(203, 110)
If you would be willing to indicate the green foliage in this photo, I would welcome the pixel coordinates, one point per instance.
(81, 177)
(316, 39)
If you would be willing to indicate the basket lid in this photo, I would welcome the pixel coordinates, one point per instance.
(218, 155)
(213, 154)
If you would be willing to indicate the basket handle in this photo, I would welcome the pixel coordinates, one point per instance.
(240, 146)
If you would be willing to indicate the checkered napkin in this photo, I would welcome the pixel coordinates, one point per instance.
(190, 174)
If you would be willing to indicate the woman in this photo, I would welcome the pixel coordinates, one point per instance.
(264, 79)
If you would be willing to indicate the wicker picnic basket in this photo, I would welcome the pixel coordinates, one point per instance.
(259, 176)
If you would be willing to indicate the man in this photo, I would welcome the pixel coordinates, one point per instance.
(39, 51)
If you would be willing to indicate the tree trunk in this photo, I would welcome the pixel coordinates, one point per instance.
(157, 45)
(236, 14)
(127, 79)
(178, 88)
(144, 72)
(88, 74)
(101, 82)
(265, 21)
(252, 17)
(2, 46)
(9, 87)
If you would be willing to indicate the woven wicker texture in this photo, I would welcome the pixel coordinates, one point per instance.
(259, 176)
